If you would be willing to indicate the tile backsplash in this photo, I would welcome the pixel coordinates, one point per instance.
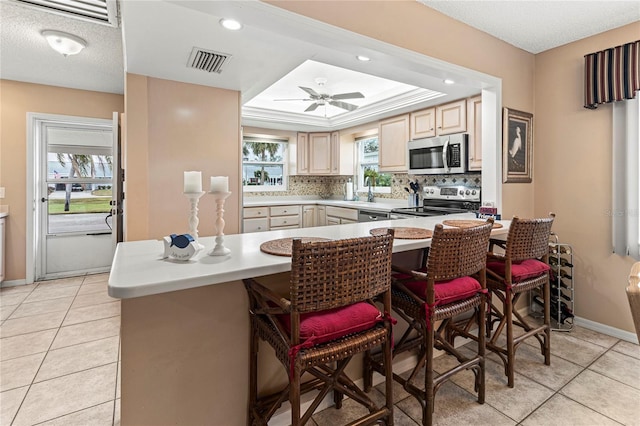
(327, 186)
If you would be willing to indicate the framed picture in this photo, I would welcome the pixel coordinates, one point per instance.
(517, 146)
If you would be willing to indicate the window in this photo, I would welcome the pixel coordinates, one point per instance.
(264, 164)
(368, 166)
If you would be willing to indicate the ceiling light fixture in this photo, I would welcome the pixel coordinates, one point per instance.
(231, 24)
(64, 43)
(363, 58)
(449, 81)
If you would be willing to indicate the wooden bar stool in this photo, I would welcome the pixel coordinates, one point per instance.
(524, 266)
(454, 283)
(328, 318)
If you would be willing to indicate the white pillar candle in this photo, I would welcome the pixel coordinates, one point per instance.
(219, 184)
(192, 181)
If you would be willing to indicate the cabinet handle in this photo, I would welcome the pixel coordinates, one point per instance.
(284, 221)
(259, 227)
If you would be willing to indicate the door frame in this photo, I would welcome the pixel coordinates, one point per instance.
(34, 231)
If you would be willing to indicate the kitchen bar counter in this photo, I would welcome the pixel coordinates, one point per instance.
(185, 325)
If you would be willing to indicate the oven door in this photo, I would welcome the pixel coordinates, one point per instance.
(442, 155)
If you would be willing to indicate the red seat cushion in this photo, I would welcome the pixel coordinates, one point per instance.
(447, 291)
(334, 323)
(520, 271)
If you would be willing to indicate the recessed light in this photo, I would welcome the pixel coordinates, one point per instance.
(230, 24)
(64, 43)
(449, 81)
(363, 58)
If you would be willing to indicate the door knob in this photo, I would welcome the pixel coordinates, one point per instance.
(44, 200)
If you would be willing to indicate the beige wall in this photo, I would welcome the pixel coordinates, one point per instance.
(413, 26)
(573, 175)
(17, 100)
(173, 127)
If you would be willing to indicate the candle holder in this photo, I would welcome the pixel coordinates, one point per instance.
(194, 197)
(220, 249)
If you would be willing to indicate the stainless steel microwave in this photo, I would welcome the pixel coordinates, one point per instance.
(440, 155)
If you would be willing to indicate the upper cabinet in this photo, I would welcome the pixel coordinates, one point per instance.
(393, 135)
(439, 120)
(474, 128)
(324, 154)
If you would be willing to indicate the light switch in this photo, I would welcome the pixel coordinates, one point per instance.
(1, 191)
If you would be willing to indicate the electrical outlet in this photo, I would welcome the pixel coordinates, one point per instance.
(1, 191)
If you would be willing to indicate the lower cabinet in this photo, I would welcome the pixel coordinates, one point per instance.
(259, 219)
(341, 215)
(255, 225)
(308, 216)
(321, 219)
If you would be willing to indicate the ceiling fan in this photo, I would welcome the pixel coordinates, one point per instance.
(320, 99)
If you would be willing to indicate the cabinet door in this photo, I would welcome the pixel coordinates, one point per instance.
(322, 216)
(333, 220)
(474, 128)
(423, 123)
(308, 216)
(319, 153)
(255, 225)
(302, 154)
(451, 117)
(335, 153)
(393, 135)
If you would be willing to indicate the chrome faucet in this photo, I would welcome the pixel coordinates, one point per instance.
(370, 193)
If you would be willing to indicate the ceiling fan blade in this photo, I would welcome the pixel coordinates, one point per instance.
(312, 107)
(311, 92)
(306, 99)
(352, 95)
(343, 105)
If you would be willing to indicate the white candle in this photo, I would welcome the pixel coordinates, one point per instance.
(219, 184)
(192, 181)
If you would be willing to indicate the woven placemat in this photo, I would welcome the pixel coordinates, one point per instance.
(283, 246)
(460, 223)
(404, 233)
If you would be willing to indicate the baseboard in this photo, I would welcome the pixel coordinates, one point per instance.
(606, 329)
(13, 283)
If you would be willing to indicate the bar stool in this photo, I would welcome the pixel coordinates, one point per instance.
(328, 318)
(453, 284)
(524, 266)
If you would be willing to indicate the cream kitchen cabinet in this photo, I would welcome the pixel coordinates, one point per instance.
(393, 135)
(439, 120)
(341, 215)
(321, 219)
(255, 219)
(308, 216)
(321, 154)
(284, 217)
(474, 129)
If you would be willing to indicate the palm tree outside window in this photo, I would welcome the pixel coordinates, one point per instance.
(264, 164)
(368, 158)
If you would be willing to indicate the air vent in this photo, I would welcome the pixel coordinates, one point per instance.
(99, 11)
(207, 60)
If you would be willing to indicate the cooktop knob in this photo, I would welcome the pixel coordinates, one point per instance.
(461, 192)
(468, 192)
(473, 192)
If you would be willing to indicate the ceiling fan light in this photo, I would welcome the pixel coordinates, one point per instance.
(64, 43)
(363, 58)
(448, 81)
(231, 24)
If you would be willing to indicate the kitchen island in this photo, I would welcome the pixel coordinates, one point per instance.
(185, 325)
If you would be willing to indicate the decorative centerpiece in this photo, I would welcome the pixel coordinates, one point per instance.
(180, 247)
(193, 191)
(220, 191)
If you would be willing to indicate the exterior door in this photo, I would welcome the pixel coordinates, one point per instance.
(76, 187)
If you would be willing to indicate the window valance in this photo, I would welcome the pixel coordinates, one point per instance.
(612, 74)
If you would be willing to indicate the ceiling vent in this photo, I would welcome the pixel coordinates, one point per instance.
(97, 11)
(207, 60)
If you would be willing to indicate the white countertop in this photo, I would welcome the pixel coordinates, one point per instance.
(383, 204)
(139, 270)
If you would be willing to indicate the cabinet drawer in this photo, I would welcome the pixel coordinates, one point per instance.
(251, 212)
(255, 225)
(343, 213)
(285, 227)
(285, 210)
(277, 222)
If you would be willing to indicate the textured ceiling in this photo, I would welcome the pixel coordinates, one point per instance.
(536, 26)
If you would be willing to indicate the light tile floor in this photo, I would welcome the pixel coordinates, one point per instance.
(59, 365)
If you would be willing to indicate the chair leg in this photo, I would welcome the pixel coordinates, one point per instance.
(546, 291)
(388, 377)
(508, 312)
(294, 397)
(367, 372)
(428, 407)
(253, 375)
(482, 317)
(337, 399)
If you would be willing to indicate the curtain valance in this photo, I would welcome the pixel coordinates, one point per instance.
(612, 74)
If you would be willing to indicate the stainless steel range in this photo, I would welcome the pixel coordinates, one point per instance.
(443, 200)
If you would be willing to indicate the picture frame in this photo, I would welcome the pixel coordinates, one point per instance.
(517, 146)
